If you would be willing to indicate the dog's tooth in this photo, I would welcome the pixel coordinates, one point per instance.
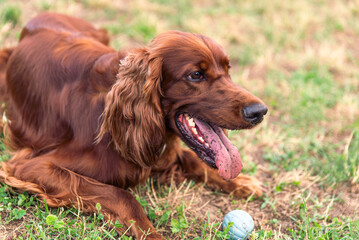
(207, 145)
(191, 122)
(201, 139)
(194, 130)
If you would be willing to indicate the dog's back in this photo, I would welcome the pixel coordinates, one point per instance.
(56, 53)
(63, 23)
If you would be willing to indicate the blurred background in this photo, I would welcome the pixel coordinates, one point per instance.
(301, 57)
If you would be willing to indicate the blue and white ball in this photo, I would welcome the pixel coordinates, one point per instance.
(242, 227)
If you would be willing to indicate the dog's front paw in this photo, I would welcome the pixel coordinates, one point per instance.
(244, 185)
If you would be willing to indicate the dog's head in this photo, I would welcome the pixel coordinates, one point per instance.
(199, 98)
(185, 85)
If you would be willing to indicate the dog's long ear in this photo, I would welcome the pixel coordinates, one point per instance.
(133, 115)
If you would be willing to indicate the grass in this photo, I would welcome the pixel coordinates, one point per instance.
(36, 221)
(11, 14)
(300, 57)
(311, 228)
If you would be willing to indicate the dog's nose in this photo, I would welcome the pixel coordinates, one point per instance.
(254, 113)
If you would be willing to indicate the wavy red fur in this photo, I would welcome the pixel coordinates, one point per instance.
(85, 122)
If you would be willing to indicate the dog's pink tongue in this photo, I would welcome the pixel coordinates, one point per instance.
(228, 159)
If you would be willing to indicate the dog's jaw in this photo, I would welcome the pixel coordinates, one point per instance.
(210, 144)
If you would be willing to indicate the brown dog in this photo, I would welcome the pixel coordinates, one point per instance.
(87, 122)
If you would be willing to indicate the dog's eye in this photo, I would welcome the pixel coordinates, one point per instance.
(195, 76)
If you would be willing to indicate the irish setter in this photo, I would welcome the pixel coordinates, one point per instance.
(87, 122)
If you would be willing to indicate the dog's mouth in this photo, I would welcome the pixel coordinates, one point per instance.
(211, 144)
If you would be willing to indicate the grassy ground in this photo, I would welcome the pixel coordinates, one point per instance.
(300, 57)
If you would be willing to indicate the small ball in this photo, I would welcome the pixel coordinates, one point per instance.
(243, 224)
